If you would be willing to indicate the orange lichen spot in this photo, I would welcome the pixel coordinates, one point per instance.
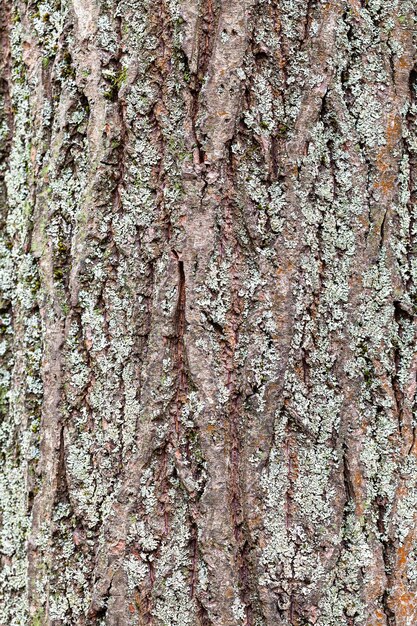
(254, 522)
(387, 177)
(386, 184)
(211, 428)
(405, 607)
(403, 63)
(278, 23)
(402, 556)
(404, 551)
(393, 130)
(402, 600)
(229, 592)
(379, 618)
(358, 486)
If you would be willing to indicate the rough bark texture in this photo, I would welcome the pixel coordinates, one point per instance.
(208, 312)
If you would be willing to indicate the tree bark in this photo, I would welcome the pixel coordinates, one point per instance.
(208, 312)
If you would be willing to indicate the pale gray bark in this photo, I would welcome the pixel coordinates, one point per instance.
(208, 313)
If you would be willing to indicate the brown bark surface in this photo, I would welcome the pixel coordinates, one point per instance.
(208, 305)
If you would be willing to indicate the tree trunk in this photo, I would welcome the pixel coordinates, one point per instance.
(208, 312)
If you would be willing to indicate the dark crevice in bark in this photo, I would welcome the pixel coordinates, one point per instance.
(391, 62)
(311, 4)
(230, 336)
(274, 159)
(123, 128)
(412, 157)
(62, 496)
(62, 491)
(178, 344)
(194, 557)
(399, 315)
(238, 523)
(195, 85)
(289, 492)
(296, 422)
(382, 232)
(6, 309)
(6, 109)
(207, 25)
(202, 613)
(388, 553)
(412, 83)
(389, 613)
(348, 21)
(347, 479)
(98, 611)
